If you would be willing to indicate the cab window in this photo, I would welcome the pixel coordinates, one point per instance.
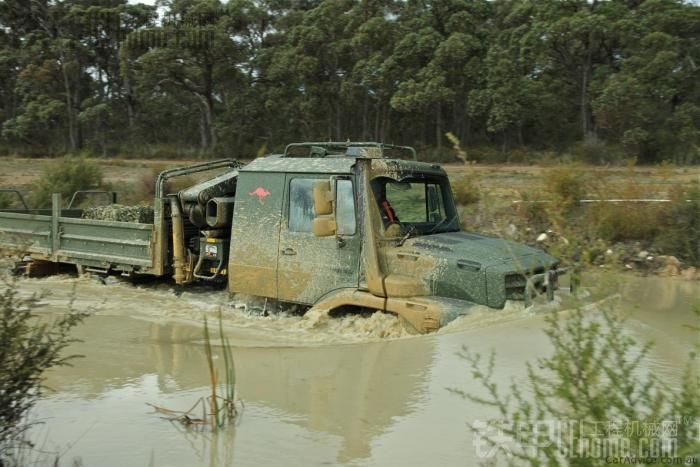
(301, 204)
(345, 208)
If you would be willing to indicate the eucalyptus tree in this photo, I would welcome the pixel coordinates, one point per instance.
(439, 54)
(189, 57)
(651, 104)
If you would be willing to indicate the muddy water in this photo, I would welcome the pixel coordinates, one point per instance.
(317, 391)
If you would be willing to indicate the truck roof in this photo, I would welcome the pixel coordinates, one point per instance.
(331, 165)
(277, 163)
(338, 157)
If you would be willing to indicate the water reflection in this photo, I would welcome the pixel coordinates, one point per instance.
(342, 396)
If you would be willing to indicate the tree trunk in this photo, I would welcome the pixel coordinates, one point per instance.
(365, 105)
(520, 134)
(206, 123)
(72, 135)
(586, 113)
(466, 131)
(129, 103)
(377, 112)
(387, 124)
(208, 102)
(209, 112)
(203, 130)
(338, 130)
(438, 127)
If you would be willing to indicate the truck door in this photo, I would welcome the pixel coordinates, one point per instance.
(255, 234)
(309, 267)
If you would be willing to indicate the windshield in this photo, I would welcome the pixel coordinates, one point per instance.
(417, 205)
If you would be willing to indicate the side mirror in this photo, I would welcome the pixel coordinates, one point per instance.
(323, 198)
(323, 224)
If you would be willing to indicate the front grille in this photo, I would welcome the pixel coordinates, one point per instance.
(515, 284)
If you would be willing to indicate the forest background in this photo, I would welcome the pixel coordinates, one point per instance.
(514, 81)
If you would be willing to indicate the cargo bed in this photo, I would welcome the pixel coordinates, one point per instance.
(61, 236)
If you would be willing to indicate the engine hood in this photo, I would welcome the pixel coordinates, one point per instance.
(474, 267)
(481, 251)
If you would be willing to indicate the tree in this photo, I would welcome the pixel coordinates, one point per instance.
(194, 52)
(652, 104)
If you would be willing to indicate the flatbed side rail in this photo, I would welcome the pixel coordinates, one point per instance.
(122, 246)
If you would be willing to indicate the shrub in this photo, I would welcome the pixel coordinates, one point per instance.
(598, 153)
(486, 154)
(617, 222)
(624, 221)
(569, 184)
(29, 347)
(435, 154)
(8, 201)
(532, 212)
(466, 191)
(593, 376)
(679, 232)
(65, 176)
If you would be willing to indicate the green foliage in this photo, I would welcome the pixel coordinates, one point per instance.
(621, 222)
(466, 191)
(65, 176)
(6, 200)
(30, 346)
(591, 229)
(607, 80)
(569, 184)
(679, 226)
(593, 375)
(598, 152)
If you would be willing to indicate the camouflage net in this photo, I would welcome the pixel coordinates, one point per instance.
(119, 213)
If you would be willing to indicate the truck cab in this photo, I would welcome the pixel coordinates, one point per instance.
(337, 225)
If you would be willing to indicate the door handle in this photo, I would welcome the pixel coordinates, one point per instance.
(289, 252)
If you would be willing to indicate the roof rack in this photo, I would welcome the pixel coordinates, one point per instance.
(368, 149)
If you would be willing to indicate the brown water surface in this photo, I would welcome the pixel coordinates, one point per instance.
(317, 391)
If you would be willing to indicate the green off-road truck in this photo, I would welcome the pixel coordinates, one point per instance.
(326, 225)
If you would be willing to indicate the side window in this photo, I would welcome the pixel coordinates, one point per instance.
(345, 208)
(301, 204)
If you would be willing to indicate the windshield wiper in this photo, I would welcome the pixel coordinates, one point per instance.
(407, 235)
(442, 221)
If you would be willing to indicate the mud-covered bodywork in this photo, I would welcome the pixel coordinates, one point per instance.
(476, 268)
(328, 225)
(388, 237)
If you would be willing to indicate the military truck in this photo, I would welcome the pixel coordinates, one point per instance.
(330, 225)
